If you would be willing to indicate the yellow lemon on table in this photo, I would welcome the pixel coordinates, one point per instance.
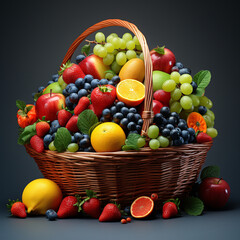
(40, 195)
(108, 137)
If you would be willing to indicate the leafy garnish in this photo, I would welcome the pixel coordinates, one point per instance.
(159, 50)
(131, 143)
(210, 171)
(86, 49)
(86, 120)
(37, 95)
(62, 139)
(26, 134)
(193, 206)
(93, 127)
(202, 79)
(20, 104)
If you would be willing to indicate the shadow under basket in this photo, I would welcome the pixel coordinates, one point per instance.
(123, 176)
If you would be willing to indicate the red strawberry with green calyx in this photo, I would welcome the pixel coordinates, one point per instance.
(42, 128)
(37, 143)
(110, 213)
(170, 208)
(67, 207)
(203, 137)
(17, 208)
(63, 117)
(82, 105)
(103, 97)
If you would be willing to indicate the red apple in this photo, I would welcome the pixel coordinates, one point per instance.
(163, 62)
(94, 65)
(162, 96)
(49, 104)
(214, 192)
(157, 106)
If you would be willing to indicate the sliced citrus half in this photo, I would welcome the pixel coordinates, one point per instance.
(197, 122)
(131, 92)
(142, 207)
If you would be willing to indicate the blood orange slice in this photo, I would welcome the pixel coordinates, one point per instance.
(142, 207)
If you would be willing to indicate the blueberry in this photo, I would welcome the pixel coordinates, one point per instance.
(73, 97)
(192, 139)
(127, 210)
(194, 85)
(115, 79)
(50, 82)
(178, 142)
(165, 132)
(138, 128)
(185, 135)
(191, 131)
(106, 113)
(132, 110)
(124, 111)
(40, 89)
(131, 126)
(172, 120)
(79, 58)
(135, 131)
(140, 122)
(176, 115)
(137, 116)
(102, 119)
(124, 122)
(202, 110)
(103, 82)
(88, 78)
(65, 93)
(164, 122)
(165, 111)
(179, 65)
(111, 83)
(53, 136)
(117, 117)
(55, 77)
(82, 93)
(182, 125)
(87, 86)
(183, 120)
(175, 69)
(69, 104)
(78, 136)
(158, 118)
(113, 110)
(89, 149)
(54, 126)
(184, 71)
(71, 88)
(170, 126)
(79, 83)
(51, 214)
(86, 136)
(73, 140)
(95, 83)
(174, 134)
(119, 105)
(130, 116)
(84, 143)
(47, 140)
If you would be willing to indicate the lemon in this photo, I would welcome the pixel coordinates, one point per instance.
(40, 195)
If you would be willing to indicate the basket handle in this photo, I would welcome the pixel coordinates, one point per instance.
(147, 113)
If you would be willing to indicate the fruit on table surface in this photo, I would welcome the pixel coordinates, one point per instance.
(17, 208)
(170, 208)
(68, 208)
(55, 87)
(48, 105)
(162, 62)
(108, 137)
(131, 92)
(159, 77)
(51, 215)
(214, 192)
(133, 69)
(40, 195)
(94, 65)
(142, 207)
(110, 213)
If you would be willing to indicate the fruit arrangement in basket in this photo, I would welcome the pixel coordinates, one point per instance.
(96, 103)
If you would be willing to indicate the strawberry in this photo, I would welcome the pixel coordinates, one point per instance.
(37, 143)
(17, 208)
(71, 72)
(110, 213)
(82, 105)
(63, 117)
(203, 137)
(42, 128)
(103, 97)
(67, 207)
(72, 124)
(170, 208)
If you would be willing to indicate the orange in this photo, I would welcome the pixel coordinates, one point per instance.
(197, 122)
(131, 92)
(133, 69)
(108, 137)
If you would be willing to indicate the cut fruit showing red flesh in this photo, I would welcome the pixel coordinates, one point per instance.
(142, 207)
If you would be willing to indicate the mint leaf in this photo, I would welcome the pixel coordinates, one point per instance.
(86, 49)
(210, 171)
(37, 95)
(86, 120)
(160, 50)
(92, 128)
(131, 143)
(20, 104)
(202, 79)
(199, 92)
(27, 134)
(193, 206)
(62, 139)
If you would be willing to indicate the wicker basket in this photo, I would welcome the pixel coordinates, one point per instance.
(123, 176)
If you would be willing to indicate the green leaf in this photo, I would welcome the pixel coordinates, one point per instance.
(93, 127)
(86, 49)
(199, 92)
(202, 79)
(210, 171)
(37, 95)
(26, 134)
(86, 120)
(131, 142)
(28, 108)
(90, 194)
(20, 104)
(64, 67)
(62, 139)
(160, 50)
(193, 206)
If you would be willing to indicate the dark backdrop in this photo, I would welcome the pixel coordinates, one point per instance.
(35, 36)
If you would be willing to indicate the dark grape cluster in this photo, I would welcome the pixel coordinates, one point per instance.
(171, 126)
(127, 117)
(181, 69)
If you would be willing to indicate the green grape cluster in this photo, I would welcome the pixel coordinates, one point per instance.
(116, 51)
(156, 141)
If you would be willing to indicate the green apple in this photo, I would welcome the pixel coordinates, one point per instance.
(61, 82)
(56, 88)
(159, 78)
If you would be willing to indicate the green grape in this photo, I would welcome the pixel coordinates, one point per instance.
(141, 142)
(109, 47)
(138, 47)
(96, 49)
(51, 146)
(131, 54)
(195, 100)
(136, 41)
(127, 37)
(116, 42)
(114, 35)
(209, 104)
(60, 80)
(169, 85)
(204, 101)
(164, 142)
(153, 131)
(72, 147)
(102, 52)
(210, 114)
(190, 109)
(154, 144)
(110, 38)
(109, 75)
(100, 37)
(64, 85)
(121, 58)
(130, 45)
(175, 76)
(108, 59)
(176, 94)
(208, 120)
(186, 102)
(175, 107)
(115, 67)
(212, 124)
(115, 52)
(123, 44)
(185, 78)
(141, 56)
(212, 132)
(186, 88)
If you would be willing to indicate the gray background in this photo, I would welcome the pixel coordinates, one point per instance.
(35, 36)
